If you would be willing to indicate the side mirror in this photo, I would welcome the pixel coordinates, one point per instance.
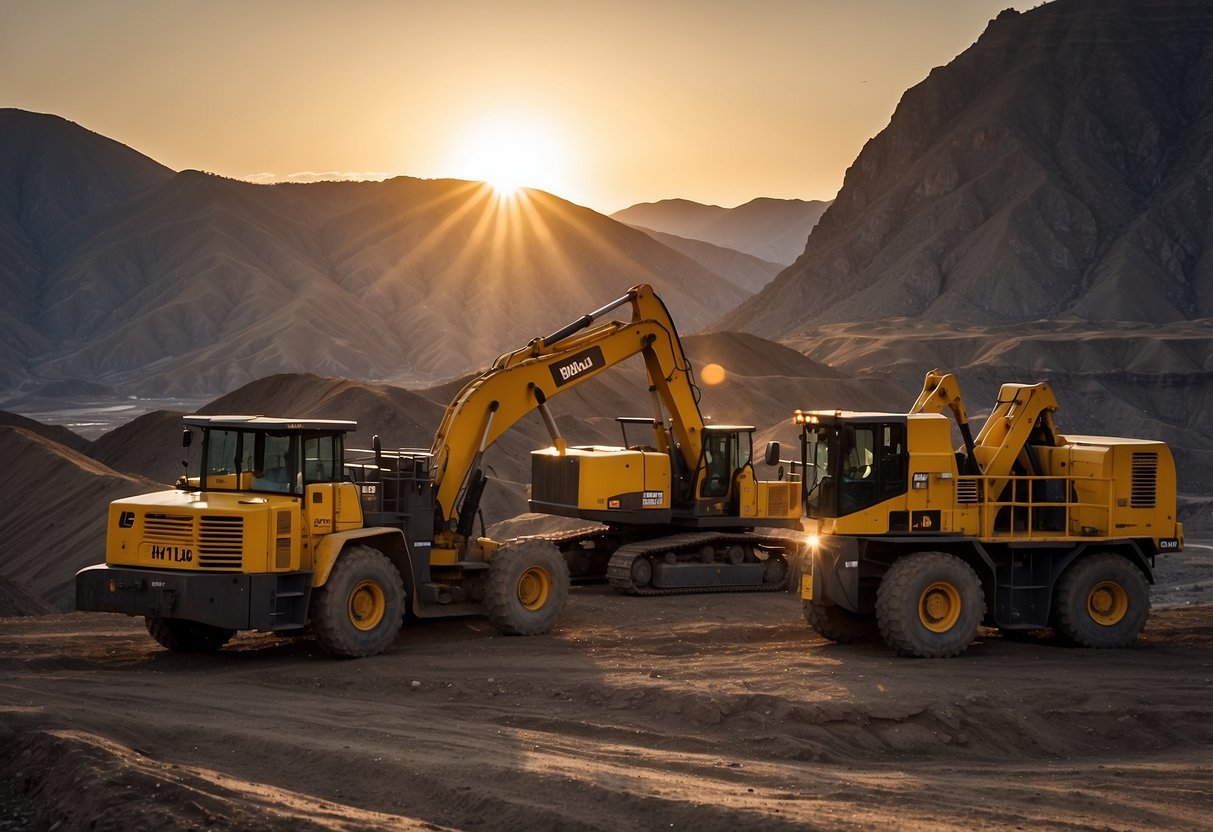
(187, 438)
(771, 457)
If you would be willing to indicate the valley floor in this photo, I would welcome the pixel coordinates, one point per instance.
(708, 712)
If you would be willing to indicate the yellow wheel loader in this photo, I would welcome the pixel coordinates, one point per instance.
(1021, 529)
(278, 531)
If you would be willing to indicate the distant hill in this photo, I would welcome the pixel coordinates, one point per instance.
(148, 281)
(1062, 166)
(742, 270)
(769, 229)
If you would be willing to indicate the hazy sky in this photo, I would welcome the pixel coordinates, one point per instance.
(604, 103)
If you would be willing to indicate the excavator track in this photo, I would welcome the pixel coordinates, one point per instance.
(678, 564)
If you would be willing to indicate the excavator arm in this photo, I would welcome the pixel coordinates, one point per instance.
(1022, 417)
(523, 380)
(941, 391)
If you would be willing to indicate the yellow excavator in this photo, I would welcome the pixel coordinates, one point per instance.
(1021, 529)
(283, 527)
(679, 500)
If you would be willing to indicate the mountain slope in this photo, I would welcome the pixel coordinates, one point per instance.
(1061, 166)
(52, 173)
(189, 283)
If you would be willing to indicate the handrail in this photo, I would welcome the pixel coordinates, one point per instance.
(1022, 513)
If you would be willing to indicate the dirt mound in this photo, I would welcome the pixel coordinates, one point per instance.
(740, 353)
(149, 446)
(61, 435)
(86, 781)
(17, 600)
(56, 503)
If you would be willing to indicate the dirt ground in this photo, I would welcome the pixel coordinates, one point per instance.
(713, 712)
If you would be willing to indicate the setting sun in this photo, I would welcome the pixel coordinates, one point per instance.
(510, 153)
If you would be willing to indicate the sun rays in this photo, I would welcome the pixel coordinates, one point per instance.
(511, 152)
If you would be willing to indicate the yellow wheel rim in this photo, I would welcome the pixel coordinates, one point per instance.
(939, 607)
(367, 605)
(1107, 603)
(534, 587)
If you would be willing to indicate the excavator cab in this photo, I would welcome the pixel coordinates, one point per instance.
(724, 463)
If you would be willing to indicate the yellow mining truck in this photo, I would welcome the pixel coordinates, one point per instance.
(1021, 529)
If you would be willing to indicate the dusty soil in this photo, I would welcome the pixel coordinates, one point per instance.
(707, 712)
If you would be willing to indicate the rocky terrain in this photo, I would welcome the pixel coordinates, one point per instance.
(1061, 167)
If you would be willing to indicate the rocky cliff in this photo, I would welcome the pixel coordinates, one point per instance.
(1060, 167)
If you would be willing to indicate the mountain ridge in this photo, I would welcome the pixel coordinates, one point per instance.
(190, 283)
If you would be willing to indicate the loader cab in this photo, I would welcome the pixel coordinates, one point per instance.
(852, 461)
(266, 455)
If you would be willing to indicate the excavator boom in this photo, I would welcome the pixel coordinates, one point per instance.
(521, 381)
(941, 390)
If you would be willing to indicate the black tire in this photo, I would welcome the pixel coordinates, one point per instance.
(528, 584)
(1101, 601)
(359, 609)
(183, 636)
(838, 624)
(929, 605)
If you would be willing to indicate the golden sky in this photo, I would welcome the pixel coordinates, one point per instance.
(603, 103)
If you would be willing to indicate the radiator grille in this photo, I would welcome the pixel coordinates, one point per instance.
(176, 529)
(1144, 483)
(282, 550)
(220, 542)
(779, 499)
(554, 479)
(967, 491)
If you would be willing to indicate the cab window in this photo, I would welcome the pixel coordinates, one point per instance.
(247, 460)
(320, 455)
